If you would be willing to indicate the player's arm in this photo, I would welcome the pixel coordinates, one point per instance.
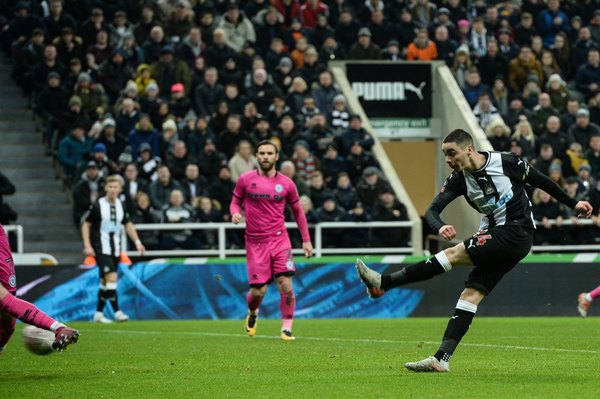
(132, 233)
(88, 250)
(300, 218)
(543, 182)
(237, 199)
(449, 192)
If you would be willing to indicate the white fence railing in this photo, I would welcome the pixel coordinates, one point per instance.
(19, 230)
(222, 251)
(562, 248)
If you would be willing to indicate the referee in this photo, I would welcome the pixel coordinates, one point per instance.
(101, 234)
(493, 183)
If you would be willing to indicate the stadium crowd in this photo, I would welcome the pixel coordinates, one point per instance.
(174, 94)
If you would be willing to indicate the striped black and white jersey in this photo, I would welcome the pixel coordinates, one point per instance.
(107, 221)
(497, 191)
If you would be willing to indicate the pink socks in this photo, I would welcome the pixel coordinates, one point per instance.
(253, 302)
(595, 293)
(287, 304)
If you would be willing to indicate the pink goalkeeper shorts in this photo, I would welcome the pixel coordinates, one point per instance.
(269, 259)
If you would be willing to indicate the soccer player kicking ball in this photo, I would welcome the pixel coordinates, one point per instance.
(493, 183)
(13, 308)
(264, 194)
(585, 299)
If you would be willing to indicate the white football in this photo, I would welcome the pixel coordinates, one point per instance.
(37, 340)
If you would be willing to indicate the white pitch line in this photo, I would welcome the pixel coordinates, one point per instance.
(359, 340)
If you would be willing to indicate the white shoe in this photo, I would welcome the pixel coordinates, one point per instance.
(100, 318)
(370, 278)
(120, 316)
(428, 365)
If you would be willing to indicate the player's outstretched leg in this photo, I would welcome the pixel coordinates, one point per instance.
(431, 364)
(370, 278)
(583, 304)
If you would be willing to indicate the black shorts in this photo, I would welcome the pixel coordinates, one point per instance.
(494, 252)
(107, 264)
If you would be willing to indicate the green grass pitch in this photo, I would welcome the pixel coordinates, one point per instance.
(499, 358)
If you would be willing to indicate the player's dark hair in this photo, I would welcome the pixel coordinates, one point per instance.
(266, 142)
(460, 137)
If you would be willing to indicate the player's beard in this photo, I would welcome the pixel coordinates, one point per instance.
(267, 166)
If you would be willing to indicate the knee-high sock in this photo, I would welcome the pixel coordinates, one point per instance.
(7, 328)
(595, 293)
(287, 304)
(458, 325)
(111, 295)
(253, 301)
(27, 313)
(423, 270)
(101, 298)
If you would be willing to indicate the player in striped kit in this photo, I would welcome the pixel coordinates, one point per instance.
(101, 234)
(493, 183)
(264, 194)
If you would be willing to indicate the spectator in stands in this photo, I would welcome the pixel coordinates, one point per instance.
(330, 211)
(51, 101)
(484, 110)
(388, 209)
(462, 65)
(261, 91)
(305, 162)
(99, 51)
(289, 169)
(562, 54)
(358, 160)
(554, 136)
(115, 144)
(50, 63)
(105, 166)
(422, 49)
(492, 64)
(423, 11)
(262, 131)
(144, 132)
(168, 70)
(222, 188)
(209, 93)
(516, 110)
(243, 160)
(525, 30)
(542, 112)
(238, 28)
(134, 183)
(592, 155)
(179, 22)
(211, 161)
(310, 10)
(332, 51)
(595, 109)
(545, 209)
(345, 193)
(573, 159)
(68, 46)
(73, 149)
(69, 117)
(524, 136)
(167, 138)
(208, 211)
(153, 44)
(193, 184)
(551, 21)
(582, 46)
(477, 39)
(499, 95)
(86, 191)
(147, 21)
(545, 159)
(587, 79)
(498, 134)
(92, 26)
(567, 119)
(339, 117)
(318, 189)
(160, 189)
(371, 186)
(229, 138)
(356, 132)
(144, 213)
(177, 211)
(218, 52)
(332, 164)
(456, 9)
(583, 129)
(557, 90)
(380, 28)
(324, 92)
(364, 49)
(521, 67)
(91, 94)
(127, 116)
(474, 87)
(177, 160)
(114, 74)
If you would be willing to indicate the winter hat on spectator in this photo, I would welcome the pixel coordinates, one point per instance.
(443, 10)
(177, 88)
(285, 62)
(393, 42)
(463, 48)
(99, 147)
(364, 32)
(339, 98)
(141, 68)
(583, 112)
(52, 75)
(332, 146)
(84, 77)
(463, 23)
(303, 143)
(555, 77)
(167, 49)
(125, 156)
(585, 166)
(370, 171)
(555, 167)
(91, 164)
(22, 5)
(533, 78)
(75, 100)
(169, 124)
(109, 122)
(152, 86)
(144, 147)
(131, 86)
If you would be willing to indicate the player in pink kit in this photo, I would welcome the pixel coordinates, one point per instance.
(264, 194)
(585, 299)
(13, 308)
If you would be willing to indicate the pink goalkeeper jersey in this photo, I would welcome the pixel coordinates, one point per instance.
(264, 200)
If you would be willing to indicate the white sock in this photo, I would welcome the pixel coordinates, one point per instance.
(588, 297)
(55, 326)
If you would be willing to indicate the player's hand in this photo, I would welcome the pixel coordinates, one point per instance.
(308, 249)
(236, 218)
(140, 247)
(584, 209)
(88, 250)
(447, 232)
